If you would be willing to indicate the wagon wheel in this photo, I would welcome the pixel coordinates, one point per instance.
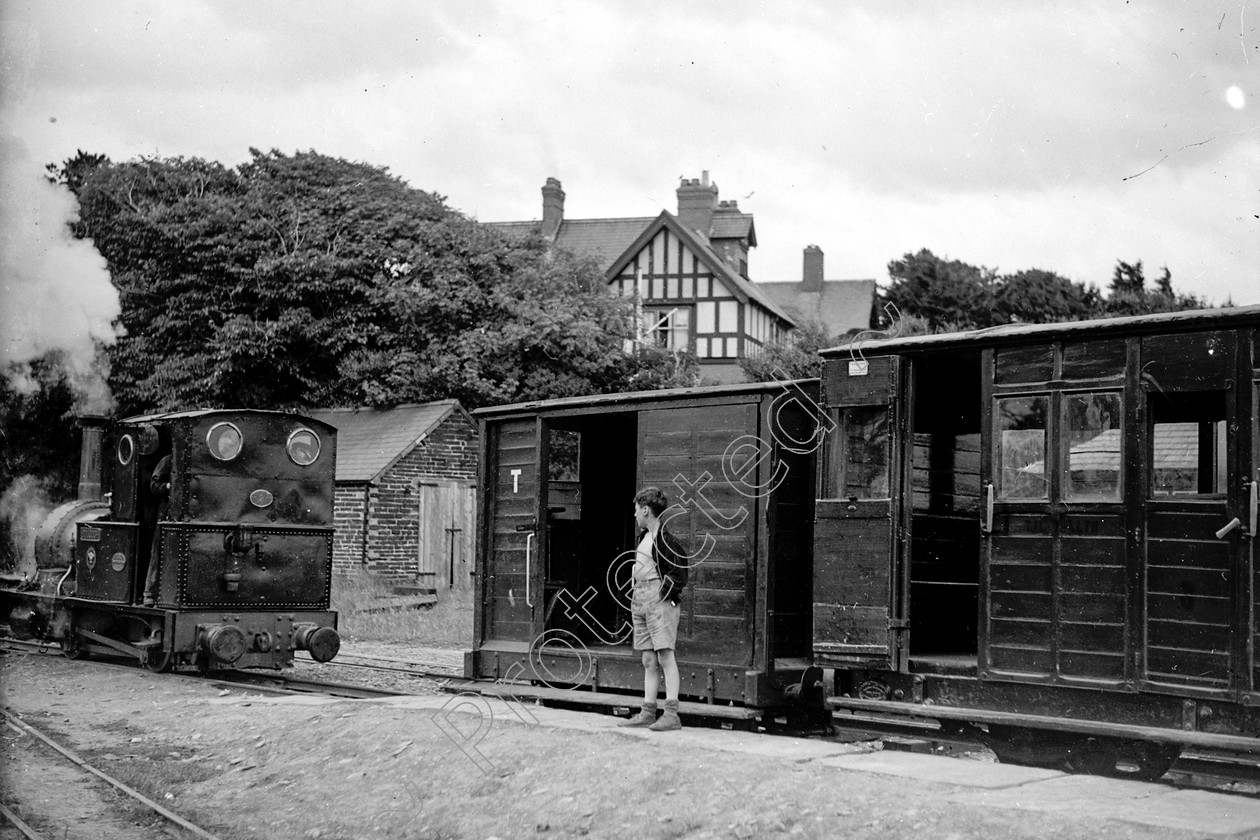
(1034, 747)
(1095, 756)
(1152, 760)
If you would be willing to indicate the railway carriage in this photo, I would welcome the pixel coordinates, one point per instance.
(241, 545)
(556, 520)
(1048, 531)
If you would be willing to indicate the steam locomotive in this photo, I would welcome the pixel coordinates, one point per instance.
(212, 548)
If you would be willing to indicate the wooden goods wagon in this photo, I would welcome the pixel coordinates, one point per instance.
(1052, 523)
(556, 527)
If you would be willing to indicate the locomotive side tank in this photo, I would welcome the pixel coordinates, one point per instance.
(213, 550)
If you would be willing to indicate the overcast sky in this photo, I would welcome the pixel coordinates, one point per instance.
(1015, 135)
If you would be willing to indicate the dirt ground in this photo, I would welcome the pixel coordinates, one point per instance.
(244, 765)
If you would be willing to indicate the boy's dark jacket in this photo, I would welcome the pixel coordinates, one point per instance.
(671, 564)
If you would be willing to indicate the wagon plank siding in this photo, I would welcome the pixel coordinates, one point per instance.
(681, 451)
(513, 505)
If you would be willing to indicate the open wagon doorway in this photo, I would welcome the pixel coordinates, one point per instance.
(591, 481)
(944, 510)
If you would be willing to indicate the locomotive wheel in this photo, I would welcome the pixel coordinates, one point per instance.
(1032, 747)
(1095, 756)
(1152, 760)
(71, 649)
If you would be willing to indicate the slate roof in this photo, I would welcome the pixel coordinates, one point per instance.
(602, 239)
(371, 440)
(609, 240)
(733, 226)
(841, 305)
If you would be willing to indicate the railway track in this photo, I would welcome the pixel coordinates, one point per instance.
(23, 728)
(1195, 768)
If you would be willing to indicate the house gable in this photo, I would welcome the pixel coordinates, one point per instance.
(692, 298)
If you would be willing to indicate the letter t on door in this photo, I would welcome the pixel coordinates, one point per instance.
(516, 481)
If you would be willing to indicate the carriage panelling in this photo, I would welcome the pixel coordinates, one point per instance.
(1023, 364)
(1094, 359)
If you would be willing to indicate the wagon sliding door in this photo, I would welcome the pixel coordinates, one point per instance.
(858, 608)
(515, 534)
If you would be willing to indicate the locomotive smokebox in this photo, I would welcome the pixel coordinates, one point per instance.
(91, 466)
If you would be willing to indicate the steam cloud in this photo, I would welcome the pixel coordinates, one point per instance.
(55, 291)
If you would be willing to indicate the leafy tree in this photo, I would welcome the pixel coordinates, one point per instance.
(941, 291)
(794, 356)
(300, 280)
(1038, 297)
(1129, 295)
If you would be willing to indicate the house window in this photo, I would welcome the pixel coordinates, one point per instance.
(668, 327)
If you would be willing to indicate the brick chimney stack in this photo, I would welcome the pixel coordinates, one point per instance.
(553, 208)
(812, 276)
(697, 199)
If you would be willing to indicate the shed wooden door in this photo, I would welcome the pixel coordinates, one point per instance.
(1195, 510)
(859, 616)
(515, 530)
(447, 535)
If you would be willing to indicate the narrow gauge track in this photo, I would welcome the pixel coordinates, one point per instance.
(1196, 768)
(22, 727)
(1200, 769)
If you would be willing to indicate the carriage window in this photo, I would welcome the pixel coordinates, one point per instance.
(1021, 447)
(1094, 451)
(861, 468)
(1187, 444)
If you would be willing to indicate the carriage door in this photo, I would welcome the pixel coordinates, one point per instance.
(1195, 511)
(859, 619)
(515, 535)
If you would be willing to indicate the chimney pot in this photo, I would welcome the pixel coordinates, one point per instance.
(697, 201)
(553, 208)
(812, 276)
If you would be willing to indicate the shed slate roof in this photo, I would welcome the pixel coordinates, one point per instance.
(371, 440)
(841, 305)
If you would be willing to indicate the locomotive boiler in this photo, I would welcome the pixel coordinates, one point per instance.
(212, 547)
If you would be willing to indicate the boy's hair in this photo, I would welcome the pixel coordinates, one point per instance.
(653, 498)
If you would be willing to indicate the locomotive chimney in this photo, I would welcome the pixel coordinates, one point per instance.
(90, 459)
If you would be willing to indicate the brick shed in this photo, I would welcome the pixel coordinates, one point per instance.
(405, 494)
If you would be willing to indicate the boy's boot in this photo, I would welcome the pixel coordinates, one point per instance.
(645, 717)
(669, 720)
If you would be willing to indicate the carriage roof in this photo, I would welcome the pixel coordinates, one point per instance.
(881, 344)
